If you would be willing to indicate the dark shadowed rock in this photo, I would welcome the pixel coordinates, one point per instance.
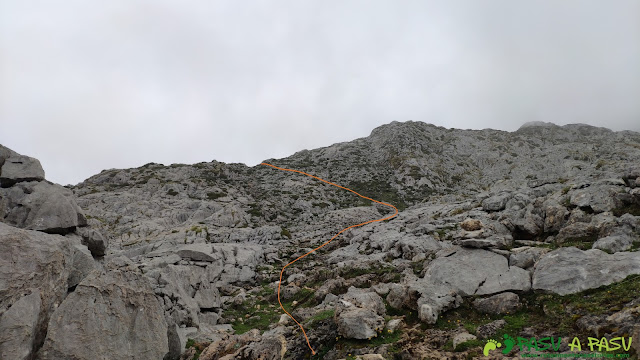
(82, 265)
(94, 240)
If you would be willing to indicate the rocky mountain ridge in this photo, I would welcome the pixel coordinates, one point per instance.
(496, 230)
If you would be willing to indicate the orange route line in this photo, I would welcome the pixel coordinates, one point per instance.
(330, 240)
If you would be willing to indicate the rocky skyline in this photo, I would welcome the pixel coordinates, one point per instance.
(98, 85)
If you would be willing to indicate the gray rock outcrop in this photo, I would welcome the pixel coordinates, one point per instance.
(498, 304)
(20, 168)
(40, 206)
(360, 314)
(614, 243)
(18, 328)
(32, 261)
(478, 272)
(570, 270)
(116, 307)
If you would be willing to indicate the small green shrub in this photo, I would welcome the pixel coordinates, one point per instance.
(285, 232)
(172, 192)
(216, 195)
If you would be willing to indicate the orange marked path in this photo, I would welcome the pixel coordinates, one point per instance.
(330, 240)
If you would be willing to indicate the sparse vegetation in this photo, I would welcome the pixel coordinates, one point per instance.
(216, 195)
(546, 311)
(172, 192)
(254, 210)
(285, 232)
(633, 209)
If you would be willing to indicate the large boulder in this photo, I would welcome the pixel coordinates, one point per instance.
(614, 243)
(40, 206)
(598, 198)
(30, 261)
(19, 168)
(110, 315)
(471, 224)
(496, 202)
(18, 327)
(94, 240)
(477, 272)
(435, 299)
(359, 314)
(571, 270)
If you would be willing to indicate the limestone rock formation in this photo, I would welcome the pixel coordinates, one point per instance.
(478, 272)
(20, 168)
(40, 206)
(489, 221)
(116, 307)
(18, 327)
(30, 263)
(498, 304)
(360, 314)
(570, 270)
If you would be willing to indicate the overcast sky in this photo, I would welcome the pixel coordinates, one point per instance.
(90, 85)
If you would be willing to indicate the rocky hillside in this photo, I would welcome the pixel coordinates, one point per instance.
(532, 233)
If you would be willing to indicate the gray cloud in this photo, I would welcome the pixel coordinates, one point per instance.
(89, 85)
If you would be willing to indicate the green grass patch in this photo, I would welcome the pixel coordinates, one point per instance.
(285, 232)
(633, 209)
(321, 316)
(545, 312)
(410, 316)
(259, 318)
(463, 346)
(381, 191)
(582, 242)
(216, 195)
(199, 347)
(382, 339)
(254, 210)
(352, 272)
